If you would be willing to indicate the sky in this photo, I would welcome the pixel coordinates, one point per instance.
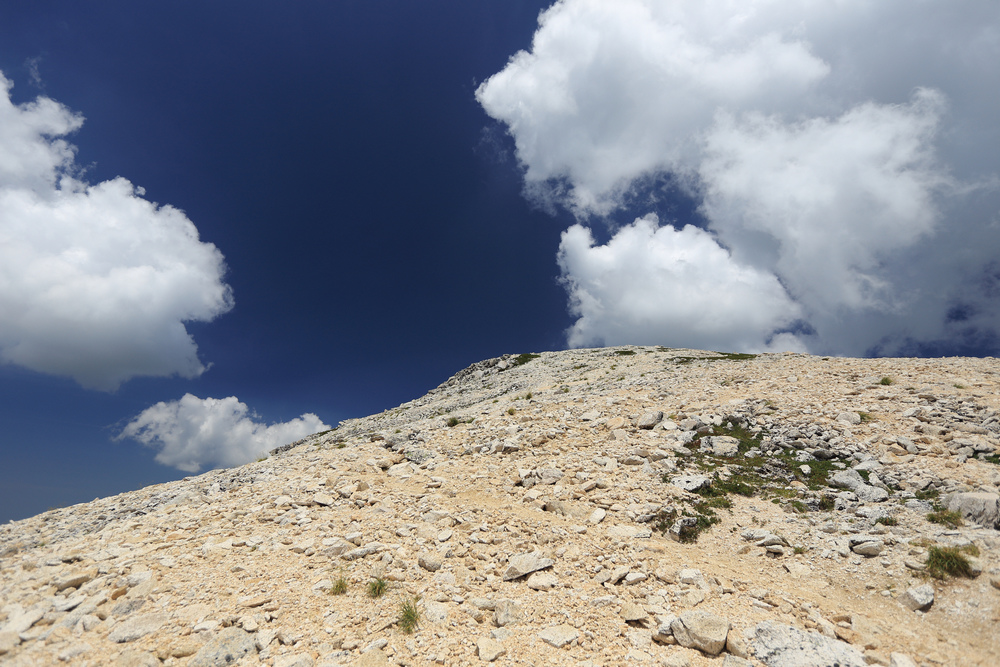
(226, 226)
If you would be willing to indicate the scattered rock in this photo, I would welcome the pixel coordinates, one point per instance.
(633, 612)
(489, 649)
(701, 630)
(691, 483)
(976, 507)
(226, 648)
(542, 581)
(649, 419)
(135, 627)
(778, 645)
(372, 658)
(251, 553)
(430, 562)
(507, 612)
(918, 597)
(524, 564)
(559, 635)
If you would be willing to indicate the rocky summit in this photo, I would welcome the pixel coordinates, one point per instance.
(635, 505)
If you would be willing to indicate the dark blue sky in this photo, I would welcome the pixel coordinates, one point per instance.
(376, 239)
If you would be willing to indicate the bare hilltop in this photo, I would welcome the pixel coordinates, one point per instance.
(619, 506)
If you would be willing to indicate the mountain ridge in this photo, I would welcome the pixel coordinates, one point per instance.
(580, 507)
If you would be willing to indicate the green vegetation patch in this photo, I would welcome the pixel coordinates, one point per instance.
(704, 519)
(409, 615)
(722, 356)
(522, 359)
(945, 517)
(943, 562)
(768, 477)
(339, 586)
(377, 587)
(624, 353)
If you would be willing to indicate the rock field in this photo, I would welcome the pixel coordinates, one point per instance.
(619, 506)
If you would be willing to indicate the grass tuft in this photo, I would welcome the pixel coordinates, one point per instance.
(886, 380)
(409, 615)
(945, 518)
(377, 587)
(948, 561)
(339, 587)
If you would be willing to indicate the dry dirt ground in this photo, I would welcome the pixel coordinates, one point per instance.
(531, 510)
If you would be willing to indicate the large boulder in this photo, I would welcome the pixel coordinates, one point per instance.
(226, 648)
(701, 630)
(778, 645)
(852, 479)
(977, 507)
(650, 419)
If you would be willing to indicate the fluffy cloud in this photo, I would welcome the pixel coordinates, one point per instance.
(834, 195)
(96, 282)
(611, 91)
(649, 280)
(195, 432)
(842, 150)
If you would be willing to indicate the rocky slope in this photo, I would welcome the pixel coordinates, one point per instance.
(585, 507)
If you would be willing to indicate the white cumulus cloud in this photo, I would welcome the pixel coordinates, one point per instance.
(649, 279)
(843, 149)
(96, 282)
(193, 432)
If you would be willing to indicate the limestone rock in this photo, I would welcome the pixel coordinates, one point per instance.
(901, 660)
(720, 445)
(559, 635)
(373, 658)
(633, 612)
(918, 597)
(8, 640)
(691, 483)
(294, 660)
(136, 658)
(542, 581)
(507, 612)
(226, 648)
(976, 507)
(430, 562)
(571, 510)
(736, 645)
(597, 516)
(868, 548)
(778, 645)
(650, 419)
(435, 612)
(74, 579)
(524, 564)
(135, 627)
(701, 630)
(489, 649)
(850, 418)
